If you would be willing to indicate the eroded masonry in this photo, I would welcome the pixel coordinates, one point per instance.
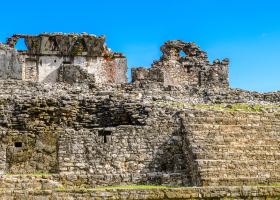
(67, 110)
(63, 57)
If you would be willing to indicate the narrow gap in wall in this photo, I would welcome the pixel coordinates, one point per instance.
(21, 45)
(182, 54)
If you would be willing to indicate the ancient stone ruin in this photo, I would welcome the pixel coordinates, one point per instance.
(193, 69)
(68, 112)
(63, 57)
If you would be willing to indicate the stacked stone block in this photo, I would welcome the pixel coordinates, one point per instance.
(233, 148)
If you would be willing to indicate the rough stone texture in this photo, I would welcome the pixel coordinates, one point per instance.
(27, 182)
(227, 193)
(193, 69)
(232, 148)
(9, 63)
(127, 134)
(151, 131)
(47, 53)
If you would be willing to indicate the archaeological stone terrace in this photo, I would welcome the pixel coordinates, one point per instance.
(70, 119)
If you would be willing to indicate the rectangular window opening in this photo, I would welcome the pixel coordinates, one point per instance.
(18, 144)
(104, 135)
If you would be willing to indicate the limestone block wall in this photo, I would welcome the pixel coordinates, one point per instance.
(105, 70)
(46, 53)
(190, 193)
(46, 68)
(126, 134)
(144, 74)
(124, 154)
(68, 73)
(10, 67)
(28, 136)
(224, 148)
(191, 69)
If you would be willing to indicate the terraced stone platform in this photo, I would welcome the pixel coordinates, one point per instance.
(234, 148)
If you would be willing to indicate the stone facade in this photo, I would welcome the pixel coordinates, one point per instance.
(127, 135)
(204, 193)
(10, 67)
(47, 53)
(174, 125)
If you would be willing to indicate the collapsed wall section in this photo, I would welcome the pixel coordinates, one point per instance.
(10, 64)
(47, 53)
(191, 69)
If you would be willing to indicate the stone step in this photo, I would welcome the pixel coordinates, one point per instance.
(241, 173)
(235, 139)
(237, 155)
(218, 132)
(253, 181)
(237, 164)
(221, 170)
(234, 121)
(232, 128)
(222, 114)
(18, 182)
(229, 141)
(237, 136)
(196, 148)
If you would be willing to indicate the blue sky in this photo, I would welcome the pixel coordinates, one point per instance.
(245, 31)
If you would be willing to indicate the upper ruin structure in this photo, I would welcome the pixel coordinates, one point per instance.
(193, 69)
(80, 58)
(178, 123)
(62, 57)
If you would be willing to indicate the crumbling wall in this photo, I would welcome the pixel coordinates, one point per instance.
(3, 161)
(128, 134)
(46, 53)
(74, 74)
(144, 74)
(62, 44)
(10, 67)
(124, 154)
(105, 70)
(193, 69)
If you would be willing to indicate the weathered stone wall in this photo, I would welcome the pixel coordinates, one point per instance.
(74, 74)
(10, 67)
(46, 53)
(62, 44)
(105, 70)
(232, 148)
(193, 69)
(123, 155)
(126, 134)
(204, 193)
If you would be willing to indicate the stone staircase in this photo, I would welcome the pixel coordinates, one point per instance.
(233, 148)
